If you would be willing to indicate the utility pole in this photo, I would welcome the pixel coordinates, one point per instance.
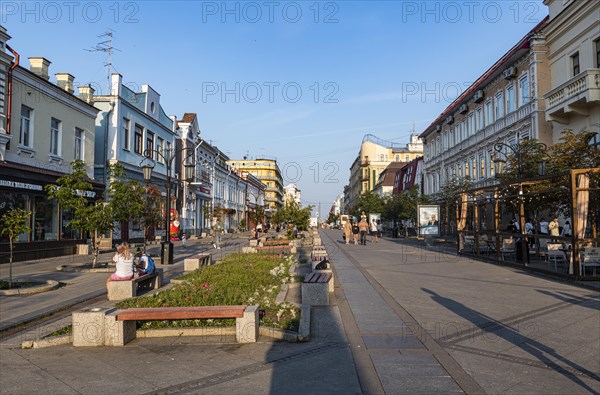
(106, 46)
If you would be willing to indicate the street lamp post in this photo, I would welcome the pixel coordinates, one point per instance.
(499, 170)
(168, 156)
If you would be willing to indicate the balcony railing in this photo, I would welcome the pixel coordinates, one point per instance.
(584, 86)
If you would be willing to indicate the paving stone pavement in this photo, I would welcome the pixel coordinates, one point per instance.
(404, 319)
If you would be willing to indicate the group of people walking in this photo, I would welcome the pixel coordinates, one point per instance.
(354, 230)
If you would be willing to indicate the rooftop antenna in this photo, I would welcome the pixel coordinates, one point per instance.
(106, 46)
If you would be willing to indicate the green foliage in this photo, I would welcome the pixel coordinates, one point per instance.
(403, 206)
(238, 279)
(293, 214)
(332, 218)
(573, 151)
(369, 202)
(126, 196)
(14, 223)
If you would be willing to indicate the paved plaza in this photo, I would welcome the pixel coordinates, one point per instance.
(406, 318)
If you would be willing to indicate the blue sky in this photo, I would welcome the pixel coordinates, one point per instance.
(304, 80)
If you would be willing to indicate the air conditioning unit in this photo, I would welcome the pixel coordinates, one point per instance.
(509, 73)
(463, 109)
(450, 119)
(438, 128)
(478, 97)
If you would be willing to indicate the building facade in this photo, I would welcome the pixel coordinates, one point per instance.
(374, 156)
(133, 129)
(573, 39)
(267, 171)
(385, 184)
(44, 128)
(505, 105)
(292, 193)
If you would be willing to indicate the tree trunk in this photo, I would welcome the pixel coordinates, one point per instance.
(95, 247)
(10, 264)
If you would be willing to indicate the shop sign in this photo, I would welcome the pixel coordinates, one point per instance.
(20, 185)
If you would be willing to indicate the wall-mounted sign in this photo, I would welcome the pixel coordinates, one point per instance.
(20, 185)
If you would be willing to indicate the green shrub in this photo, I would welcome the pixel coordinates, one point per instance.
(239, 279)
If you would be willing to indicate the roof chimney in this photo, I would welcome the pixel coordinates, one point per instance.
(39, 66)
(86, 93)
(65, 81)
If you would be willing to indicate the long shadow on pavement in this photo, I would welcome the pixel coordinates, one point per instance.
(540, 351)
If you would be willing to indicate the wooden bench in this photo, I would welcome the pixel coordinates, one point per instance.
(119, 290)
(194, 262)
(315, 288)
(119, 326)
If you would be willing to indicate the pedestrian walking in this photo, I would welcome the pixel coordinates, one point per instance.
(347, 231)
(374, 231)
(355, 232)
(217, 230)
(363, 227)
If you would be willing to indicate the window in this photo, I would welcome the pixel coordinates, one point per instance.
(499, 107)
(474, 168)
(479, 119)
(26, 119)
(149, 144)
(489, 113)
(597, 48)
(481, 166)
(397, 158)
(463, 127)
(490, 157)
(438, 145)
(126, 128)
(471, 130)
(160, 143)
(466, 164)
(575, 63)
(78, 154)
(55, 136)
(407, 158)
(137, 142)
(445, 140)
(524, 94)
(510, 99)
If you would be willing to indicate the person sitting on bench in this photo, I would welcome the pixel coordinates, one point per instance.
(124, 264)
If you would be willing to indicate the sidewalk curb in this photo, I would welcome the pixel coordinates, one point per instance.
(48, 286)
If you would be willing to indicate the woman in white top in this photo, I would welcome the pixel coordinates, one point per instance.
(124, 264)
(374, 231)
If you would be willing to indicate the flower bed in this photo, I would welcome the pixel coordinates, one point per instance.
(272, 243)
(238, 279)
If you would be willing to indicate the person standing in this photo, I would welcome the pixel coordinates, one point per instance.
(529, 229)
(374, 231)
(566, 230)
(355, 232)
(544, 226)
(347, 231)
(217, 230)
(553, 227)
(363, 227)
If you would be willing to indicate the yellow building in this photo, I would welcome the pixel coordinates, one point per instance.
(267, 171)
(374, 157)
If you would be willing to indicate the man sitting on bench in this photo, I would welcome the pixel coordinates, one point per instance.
(124, 264)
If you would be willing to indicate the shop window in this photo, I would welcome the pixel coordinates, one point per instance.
(45, 219)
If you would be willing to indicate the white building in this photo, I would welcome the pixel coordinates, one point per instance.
(573, 38)
(131, 129)
(292, 193)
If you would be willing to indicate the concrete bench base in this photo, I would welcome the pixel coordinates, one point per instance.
(330, 282)
(195, 262)
(315, 289)
(119, 290)
(101, 327)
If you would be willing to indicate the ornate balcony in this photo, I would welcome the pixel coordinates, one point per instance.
(574, 97)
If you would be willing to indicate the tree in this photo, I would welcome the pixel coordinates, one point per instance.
(332, 218)
(151, 212)
(126, 196)
(71, 191)
(14, 223)
(369, 202)
(293, 214)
